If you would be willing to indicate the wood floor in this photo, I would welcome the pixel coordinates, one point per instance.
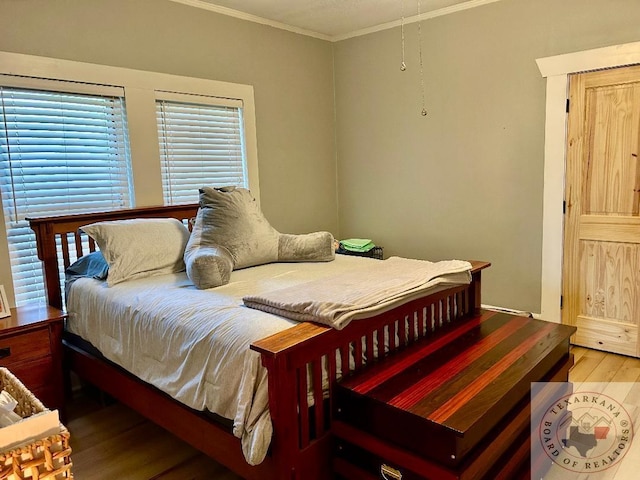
(114, 442)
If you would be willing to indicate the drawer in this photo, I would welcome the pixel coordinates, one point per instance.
(35, 374)
(354, 463)
(24, 346)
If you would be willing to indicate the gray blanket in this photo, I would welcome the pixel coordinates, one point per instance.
(372, 288)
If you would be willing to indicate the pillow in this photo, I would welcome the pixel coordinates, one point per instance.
(92, 265)
(140, 247)
(230, 232)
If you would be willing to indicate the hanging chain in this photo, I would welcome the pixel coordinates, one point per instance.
(403, 66)
(424, 108)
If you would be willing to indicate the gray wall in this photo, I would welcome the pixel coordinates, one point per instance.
(292, 77)
(467, 180)
(464, 182)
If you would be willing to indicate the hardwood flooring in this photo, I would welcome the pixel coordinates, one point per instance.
(113, 442)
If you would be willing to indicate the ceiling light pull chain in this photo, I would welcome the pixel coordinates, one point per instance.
(424, 108)
(403, 66)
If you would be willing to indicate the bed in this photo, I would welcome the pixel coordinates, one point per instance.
(295, 360)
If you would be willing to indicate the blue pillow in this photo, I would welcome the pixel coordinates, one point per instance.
(92, 265)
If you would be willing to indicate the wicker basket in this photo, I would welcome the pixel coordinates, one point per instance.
(43, 459)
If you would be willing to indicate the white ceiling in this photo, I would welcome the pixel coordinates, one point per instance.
(334, 19)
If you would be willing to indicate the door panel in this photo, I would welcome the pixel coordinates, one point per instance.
(601, 274)
(611, 169)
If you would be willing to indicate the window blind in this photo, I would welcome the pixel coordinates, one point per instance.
(60, 153)
(201, 144)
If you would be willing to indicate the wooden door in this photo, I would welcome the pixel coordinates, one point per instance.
(601, 273)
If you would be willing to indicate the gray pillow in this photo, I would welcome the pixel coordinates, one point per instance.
(230, 232)
(140, 247)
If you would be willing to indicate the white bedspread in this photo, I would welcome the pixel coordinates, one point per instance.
(194, 344)
(357, 293)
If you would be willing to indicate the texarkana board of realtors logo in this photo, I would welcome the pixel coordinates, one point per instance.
(579, 430)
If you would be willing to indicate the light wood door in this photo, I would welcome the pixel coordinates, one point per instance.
(601, 274)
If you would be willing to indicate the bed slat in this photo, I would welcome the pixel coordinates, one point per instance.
(318, 397)
(303, 407)
(64, 243)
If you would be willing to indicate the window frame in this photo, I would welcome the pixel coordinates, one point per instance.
(181, 100)
(140, 92)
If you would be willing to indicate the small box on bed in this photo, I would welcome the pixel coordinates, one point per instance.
(31, 447)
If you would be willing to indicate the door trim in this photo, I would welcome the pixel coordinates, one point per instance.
(556, 70)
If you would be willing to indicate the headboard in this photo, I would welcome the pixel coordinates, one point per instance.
(59, 241)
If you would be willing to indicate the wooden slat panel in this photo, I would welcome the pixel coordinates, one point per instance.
(422, 322)
(78, 241)
(357, 353)
(316, 369)
(303, 407)
(450, 308)
(370, 348)
(332, 377)
(429, 319)
(380, 338)
(65, 250)
(402, 331)
(344, 359)
(393, 336)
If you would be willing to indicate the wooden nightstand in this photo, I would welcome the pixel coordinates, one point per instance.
(31, 348)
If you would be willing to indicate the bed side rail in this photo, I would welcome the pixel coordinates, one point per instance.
(59, 242)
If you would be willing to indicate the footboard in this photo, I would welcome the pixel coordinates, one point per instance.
(310, 357)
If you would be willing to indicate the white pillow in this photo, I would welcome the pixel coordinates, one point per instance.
(140, 247)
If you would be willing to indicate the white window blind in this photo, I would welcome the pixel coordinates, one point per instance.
(201, 144)
(60, 153)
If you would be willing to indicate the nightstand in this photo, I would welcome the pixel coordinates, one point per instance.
(31, 348)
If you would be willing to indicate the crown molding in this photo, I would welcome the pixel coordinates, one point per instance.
(334, 38)
(413, 19)
(230, 12)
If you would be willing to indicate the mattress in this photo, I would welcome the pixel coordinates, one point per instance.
(194, 344)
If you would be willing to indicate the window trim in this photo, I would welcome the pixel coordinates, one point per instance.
(140, 91)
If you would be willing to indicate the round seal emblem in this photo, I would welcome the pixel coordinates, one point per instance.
(585, 432)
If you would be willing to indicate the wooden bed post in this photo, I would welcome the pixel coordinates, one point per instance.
(475, 290)
(282, 408)
(46, 248)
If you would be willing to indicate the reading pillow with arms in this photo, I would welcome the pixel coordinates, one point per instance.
(230, 233)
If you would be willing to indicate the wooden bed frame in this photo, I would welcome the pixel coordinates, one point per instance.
(302, 440)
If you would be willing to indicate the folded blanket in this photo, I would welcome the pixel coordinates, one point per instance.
(373, 288)
(357, 244)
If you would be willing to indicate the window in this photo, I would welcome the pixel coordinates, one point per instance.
(201, 143)
(60, 153)
(119, 138)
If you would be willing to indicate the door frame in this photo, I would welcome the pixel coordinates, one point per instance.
(556, 70)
